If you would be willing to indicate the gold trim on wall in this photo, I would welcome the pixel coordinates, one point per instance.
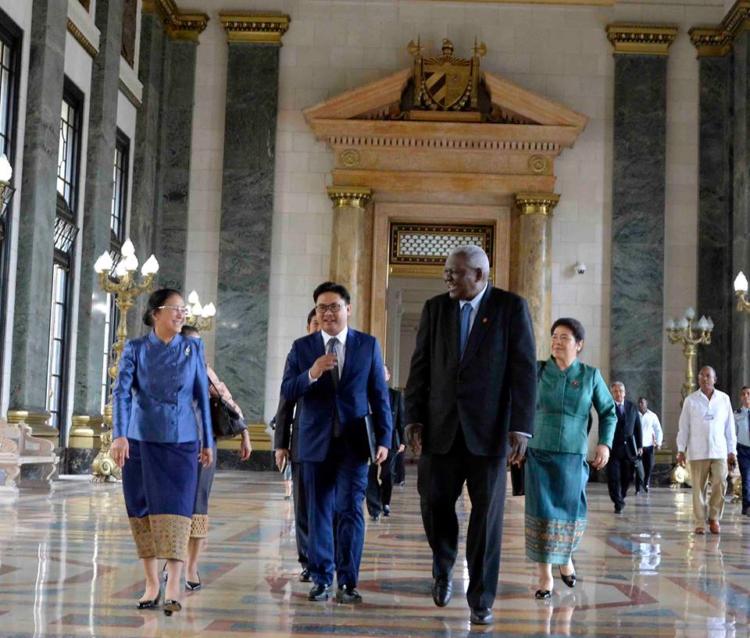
(586, 3)
(641, 39)
(87, 45)
(178, 25)
(717, 41)
(537, 203)
(255, 28)
(350, 196)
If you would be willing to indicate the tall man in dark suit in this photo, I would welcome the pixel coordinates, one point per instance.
(285, 452)
(336, 378)
(627, 446)
(471, 392)
(380, 489)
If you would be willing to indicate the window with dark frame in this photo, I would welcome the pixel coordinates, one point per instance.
(10, 61)
(68, 178)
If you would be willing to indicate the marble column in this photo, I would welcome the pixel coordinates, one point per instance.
(533, 264)
(170, 245)
(95, 235)
(351, 249)
(715, 298)
(38, 200)
(638, 193)
(247, 216)
(740, 344)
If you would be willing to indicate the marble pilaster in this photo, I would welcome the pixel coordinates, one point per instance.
(351, 249)
(170, 241)
(638, 196)
(740, 344)
(38, 201)
(533, 275)
(246, 221)
(715, 297)
(97, 206)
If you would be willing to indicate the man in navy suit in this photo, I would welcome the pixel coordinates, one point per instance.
(336, 378)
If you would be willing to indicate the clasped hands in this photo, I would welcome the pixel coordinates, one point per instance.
(120, 452)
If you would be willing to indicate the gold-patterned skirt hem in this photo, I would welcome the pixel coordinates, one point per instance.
(144, 539)
(171, 534)
(199, 526)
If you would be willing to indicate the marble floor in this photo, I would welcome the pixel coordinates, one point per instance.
(67, 568)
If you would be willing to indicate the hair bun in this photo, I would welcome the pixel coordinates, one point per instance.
(148, 318)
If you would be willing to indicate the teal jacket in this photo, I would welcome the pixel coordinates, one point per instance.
(564, 401)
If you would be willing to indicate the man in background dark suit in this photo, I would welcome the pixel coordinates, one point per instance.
(627, 446)
(471, 391)
(336, 378)
(378, 495)
(285, 451)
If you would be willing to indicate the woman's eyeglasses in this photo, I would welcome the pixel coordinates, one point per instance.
(180, 310)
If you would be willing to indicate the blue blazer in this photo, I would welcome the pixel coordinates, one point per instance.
(158, 390)
(361, 390)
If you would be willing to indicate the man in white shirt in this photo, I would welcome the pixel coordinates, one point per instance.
(652, 440)
(706, 434)
(742, 422)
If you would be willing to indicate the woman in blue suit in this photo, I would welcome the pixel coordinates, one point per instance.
(156, 440)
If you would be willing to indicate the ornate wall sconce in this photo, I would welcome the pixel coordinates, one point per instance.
(683, 332)
(740, 290)
(200, 317)
(123, 285)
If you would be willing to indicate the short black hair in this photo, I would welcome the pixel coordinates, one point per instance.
(156, 299)
(310, 317)
(575, 326)
(744, 387)
(332, 286)
(189, 330)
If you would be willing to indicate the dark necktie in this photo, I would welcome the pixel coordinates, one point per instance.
(620, 410)
(465, 325)
(332, 348)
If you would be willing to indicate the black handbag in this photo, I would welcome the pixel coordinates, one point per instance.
(226, 422)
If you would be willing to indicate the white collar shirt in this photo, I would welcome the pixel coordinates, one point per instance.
(707, 429)
(341, 336)
(651, 429)
(474, 303)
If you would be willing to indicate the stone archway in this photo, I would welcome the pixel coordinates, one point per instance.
(491, 159)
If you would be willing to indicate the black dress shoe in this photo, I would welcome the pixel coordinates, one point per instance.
(304, 576)
(442, 590)
(568, 579)
(645, 488)
(542, 594)
(386, 510)
(171, 606)
(319, 593)
(150, 604)
(348, 594)
(374, 517)
(618, 509)
(482, 616)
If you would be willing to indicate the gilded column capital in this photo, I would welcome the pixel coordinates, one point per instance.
(641, 39)
(255, 28)
(179, 25)
(350, 196)
(537, 203)
(711, 41)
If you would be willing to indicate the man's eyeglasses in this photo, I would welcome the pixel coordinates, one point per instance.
(180, 310)
(322, 308)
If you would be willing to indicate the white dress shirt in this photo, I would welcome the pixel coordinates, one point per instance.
(341, 336)
(707, 426)
(742, 421)
(651, 429)
(474, 303)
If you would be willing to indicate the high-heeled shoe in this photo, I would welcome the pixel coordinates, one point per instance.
(150, 604)
(568, 579)
(542, 594)
(193, 586)
(171, 606)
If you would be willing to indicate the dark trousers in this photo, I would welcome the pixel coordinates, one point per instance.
(300, 513)
(399, 468)
(619, 476)
(335, 486)
(743, 460)
(648, 458)
(440, 482)
(378, 493)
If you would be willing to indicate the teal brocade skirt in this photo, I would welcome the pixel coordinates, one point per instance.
(555, 487)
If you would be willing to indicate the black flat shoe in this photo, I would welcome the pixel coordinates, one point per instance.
(150, 604)
(319, 593)
(171, 606)
(481, 616)
(348, 594)
(568, 579)
(193, 586)
(542, 594)
(305, 576)
(386, 510)
(442, 590)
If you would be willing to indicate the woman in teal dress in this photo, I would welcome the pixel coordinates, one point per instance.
(556, 467)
